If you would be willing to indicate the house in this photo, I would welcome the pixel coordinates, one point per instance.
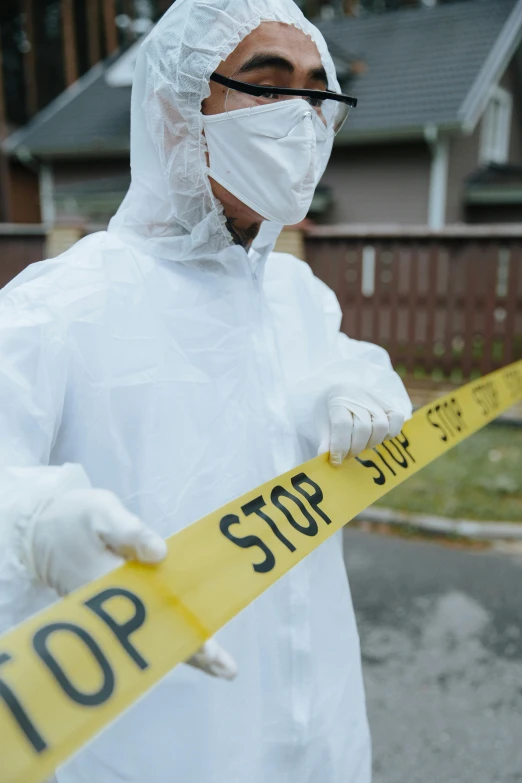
(436, 138)
(79, 146)
(45, 47)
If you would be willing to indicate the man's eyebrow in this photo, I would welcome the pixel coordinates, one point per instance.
(259, 61)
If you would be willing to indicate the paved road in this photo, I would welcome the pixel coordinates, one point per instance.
(441, 637)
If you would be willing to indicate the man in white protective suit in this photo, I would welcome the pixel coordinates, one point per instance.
(158, 370)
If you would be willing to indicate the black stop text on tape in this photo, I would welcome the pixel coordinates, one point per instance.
(392, 456)
(447, 418)
(301, 508)
(41, 640)
(512, 377)
(486, 397)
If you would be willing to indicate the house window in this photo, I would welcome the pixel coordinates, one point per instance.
(496, 126)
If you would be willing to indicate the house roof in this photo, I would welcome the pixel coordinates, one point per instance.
(416, 71)
(90, 119)
(425, 67)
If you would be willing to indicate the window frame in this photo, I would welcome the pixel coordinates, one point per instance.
(496, 128)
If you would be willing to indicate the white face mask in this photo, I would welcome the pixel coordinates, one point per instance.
(274, 176)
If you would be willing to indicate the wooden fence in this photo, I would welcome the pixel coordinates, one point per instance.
(20, 245)
(445, 304)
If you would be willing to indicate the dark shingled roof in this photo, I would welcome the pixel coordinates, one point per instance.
(90, 119)
(422, 67)
(421, 64)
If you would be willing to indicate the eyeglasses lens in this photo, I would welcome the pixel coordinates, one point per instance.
(330, 114)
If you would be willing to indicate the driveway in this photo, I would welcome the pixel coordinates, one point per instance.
(441, 638)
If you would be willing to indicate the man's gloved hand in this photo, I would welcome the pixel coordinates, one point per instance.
(84, 534)
(358, 420)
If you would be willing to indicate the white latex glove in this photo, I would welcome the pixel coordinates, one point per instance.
(358, 420)
(86, 533)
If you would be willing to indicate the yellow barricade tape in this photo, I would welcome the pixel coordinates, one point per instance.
(71, 669)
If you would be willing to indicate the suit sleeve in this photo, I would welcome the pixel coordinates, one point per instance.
(33, 372)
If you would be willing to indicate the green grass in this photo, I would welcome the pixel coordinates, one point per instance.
(479, 479)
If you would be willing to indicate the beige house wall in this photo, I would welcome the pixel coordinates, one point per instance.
(379, 183)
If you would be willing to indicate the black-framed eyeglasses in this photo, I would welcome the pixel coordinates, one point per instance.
(331, 108)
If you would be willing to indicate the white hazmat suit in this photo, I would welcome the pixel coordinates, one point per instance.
(162, 362)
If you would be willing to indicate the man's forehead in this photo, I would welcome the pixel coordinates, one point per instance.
(277, 39)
